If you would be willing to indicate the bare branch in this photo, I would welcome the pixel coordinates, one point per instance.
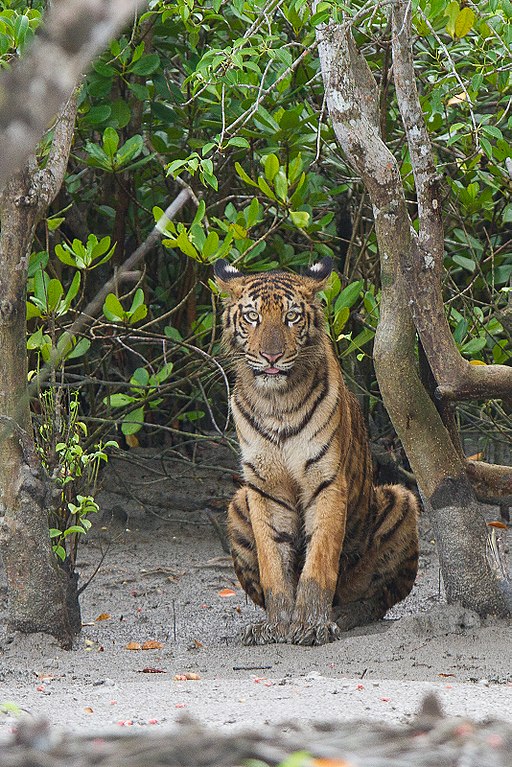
(422, 264)
(491, 483)
(51, 178)
(37, 86)
(95, 306)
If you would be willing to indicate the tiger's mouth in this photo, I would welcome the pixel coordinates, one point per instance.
(271, 371)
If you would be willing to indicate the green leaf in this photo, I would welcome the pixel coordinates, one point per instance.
(210, 246)
(97, 157)
(266, 189)
(130, 149)
(72, 291)
(243, 175)
(238, 141)
(466, 263)
(54, 222)
(54, 292)
(474, 346)
(146, 65)
(173, 333)
(348, 295)
(138, 315)
(340, 320)
(133, 422)
(64, 255)
(300, 218)
(464, 22)
(120, 114)
(110, 142)
(140, 376)
(138, 299)
(118, 400)
(80, 349)
(281, 185)
(271, 166)
(39, 260)
(112, 308)
(186, 246)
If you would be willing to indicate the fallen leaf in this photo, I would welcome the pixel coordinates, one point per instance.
(103, 617)
(360, 687)
(180, 705)
(133, 646)
(88, 710)
(197, 644)
(445, 675)
(459, 98)
(131, 440)
(500, 525)
(330, 763)
(152, 721)
(226, 593)
(477, 362)
(152, 644)
(150, 670)
(475, 457)
(188, 676)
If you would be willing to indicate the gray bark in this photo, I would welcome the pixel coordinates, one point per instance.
(25, 491)
(36, 88)
(409, 262)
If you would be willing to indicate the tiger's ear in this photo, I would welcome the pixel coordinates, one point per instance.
(227, 277)
(318, 274)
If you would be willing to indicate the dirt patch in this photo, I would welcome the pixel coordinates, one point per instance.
(165, 578)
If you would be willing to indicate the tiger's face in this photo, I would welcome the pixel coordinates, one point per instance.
(271, 319)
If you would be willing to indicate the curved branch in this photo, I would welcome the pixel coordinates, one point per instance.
(422, 266)
(492, 483)
(36, 87)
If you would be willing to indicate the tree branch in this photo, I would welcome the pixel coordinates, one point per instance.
(36, 87)
(422, 265)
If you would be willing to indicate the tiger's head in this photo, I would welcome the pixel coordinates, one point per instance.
(272, 321)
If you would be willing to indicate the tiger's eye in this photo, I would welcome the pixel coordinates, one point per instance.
(251, 315)
(292, 316)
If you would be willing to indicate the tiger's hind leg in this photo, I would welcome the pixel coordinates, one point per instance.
(243, 547)
(385, 574)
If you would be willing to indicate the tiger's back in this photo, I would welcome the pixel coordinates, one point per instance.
(312, 540)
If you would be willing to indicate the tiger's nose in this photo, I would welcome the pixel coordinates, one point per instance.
(272, 357)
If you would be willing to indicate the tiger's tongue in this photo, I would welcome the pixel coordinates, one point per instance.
(272, 371)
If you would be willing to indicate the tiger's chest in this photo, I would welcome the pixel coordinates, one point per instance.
(276, 446)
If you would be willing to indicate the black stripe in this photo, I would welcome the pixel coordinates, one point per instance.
(254, 470)
(401, 519)
(292, 431)
(237, 537)
(238, 512)
(322, 452)
(328, 417)
(271, 436)
(281, 536)
(322, 486)
(269, 497)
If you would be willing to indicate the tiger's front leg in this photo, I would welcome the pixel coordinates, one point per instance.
(273, 523)
(325, 520)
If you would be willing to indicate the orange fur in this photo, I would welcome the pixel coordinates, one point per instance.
(313, 541)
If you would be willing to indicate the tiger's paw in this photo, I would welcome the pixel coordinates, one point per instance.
(265, 632)
(313, 634)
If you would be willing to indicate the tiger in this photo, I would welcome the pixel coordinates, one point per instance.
(313, 541)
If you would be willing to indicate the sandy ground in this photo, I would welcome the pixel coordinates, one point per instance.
(165, 578)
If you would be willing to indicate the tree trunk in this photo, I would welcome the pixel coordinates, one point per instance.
(471, 574)
(42, 594)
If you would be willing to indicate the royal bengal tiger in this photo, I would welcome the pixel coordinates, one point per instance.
(313, 541)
